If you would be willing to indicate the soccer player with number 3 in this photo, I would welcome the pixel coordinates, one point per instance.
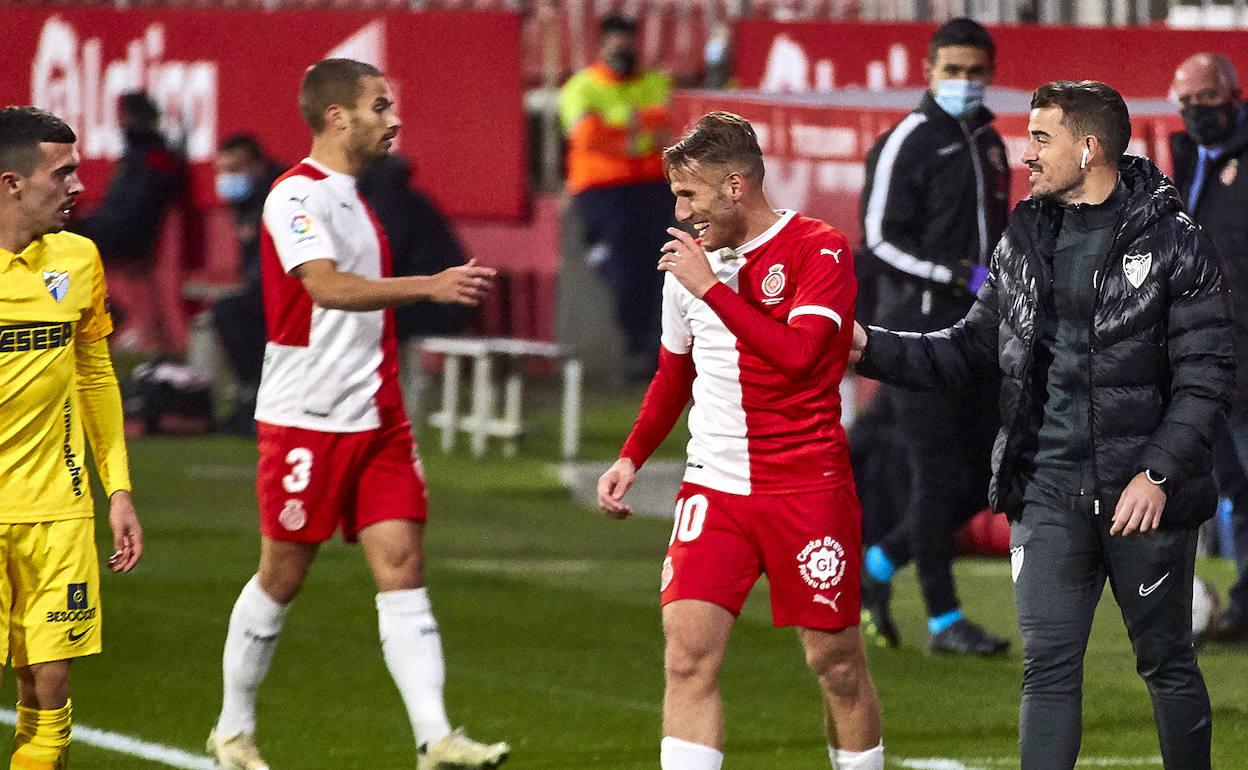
(758, 314)
(336, 448)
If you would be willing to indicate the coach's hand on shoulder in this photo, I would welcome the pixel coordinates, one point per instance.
(859, 344)
(463, 284)
(127, 534)
(612, 486)
(1139, 509)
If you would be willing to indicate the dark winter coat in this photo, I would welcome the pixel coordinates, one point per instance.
(1222, 212)
(1160, 359)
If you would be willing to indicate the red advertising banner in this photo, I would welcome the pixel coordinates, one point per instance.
(456, 77)
(822, 56)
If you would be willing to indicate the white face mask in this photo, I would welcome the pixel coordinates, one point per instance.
(960, 98)
(233, 188)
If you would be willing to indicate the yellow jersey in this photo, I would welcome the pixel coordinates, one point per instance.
(52, 303)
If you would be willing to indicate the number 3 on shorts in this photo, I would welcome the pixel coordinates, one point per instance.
(690, 517)
(300, 460)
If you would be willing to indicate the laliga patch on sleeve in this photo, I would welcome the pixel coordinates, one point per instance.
(302, 227)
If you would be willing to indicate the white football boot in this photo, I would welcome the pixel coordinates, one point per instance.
(237, 752)
(459, 752)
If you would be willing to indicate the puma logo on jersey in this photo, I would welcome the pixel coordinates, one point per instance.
(836, 255)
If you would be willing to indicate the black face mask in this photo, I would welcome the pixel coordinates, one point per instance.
(1209, 125)
(623, 63)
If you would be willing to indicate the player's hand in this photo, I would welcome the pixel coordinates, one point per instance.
(127, 534)
(612, 486)
(462, 284)
(1139, 509)
(859, 344)
(685, 259)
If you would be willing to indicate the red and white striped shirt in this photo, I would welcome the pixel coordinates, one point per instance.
(762, 355)
(328, 370)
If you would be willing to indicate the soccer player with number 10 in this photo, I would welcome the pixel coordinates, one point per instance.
(758, 315)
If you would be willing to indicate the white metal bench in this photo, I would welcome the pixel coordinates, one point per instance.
(482, 421)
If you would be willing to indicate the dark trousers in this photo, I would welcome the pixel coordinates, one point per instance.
(628, 225)
(1230, 470)
(947, 438)
(1062, 555)
(239, 323)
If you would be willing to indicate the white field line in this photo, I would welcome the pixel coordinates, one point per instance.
(129, 745)
(984, 763)
(172, 757)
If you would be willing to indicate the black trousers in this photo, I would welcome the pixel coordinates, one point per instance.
(947, 438)
(239, 323)
(628, 225)
(1230, 470)
(1062, 554)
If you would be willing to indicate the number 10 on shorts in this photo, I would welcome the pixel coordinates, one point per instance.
(690, 518)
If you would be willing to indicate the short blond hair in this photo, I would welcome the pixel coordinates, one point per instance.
(718, 138)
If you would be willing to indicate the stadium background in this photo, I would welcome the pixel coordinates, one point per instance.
(548, 610)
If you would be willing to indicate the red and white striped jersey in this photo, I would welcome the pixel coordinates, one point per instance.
(756, 429)
(327, 370)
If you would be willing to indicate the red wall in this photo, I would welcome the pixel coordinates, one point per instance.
(457, 78)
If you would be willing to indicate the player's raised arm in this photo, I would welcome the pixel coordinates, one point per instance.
(792, 347)
(335, 289)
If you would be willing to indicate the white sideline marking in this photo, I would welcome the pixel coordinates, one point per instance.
(172, 757)
(126, 744)
(941, 763)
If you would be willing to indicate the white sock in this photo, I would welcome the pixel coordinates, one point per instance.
(675, 754)
(254, 626)
(413, 651)
(871, 759)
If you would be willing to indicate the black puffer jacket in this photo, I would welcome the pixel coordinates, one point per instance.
(1161, 358)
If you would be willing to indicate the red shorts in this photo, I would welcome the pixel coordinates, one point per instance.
(809, 545)
(309, 482)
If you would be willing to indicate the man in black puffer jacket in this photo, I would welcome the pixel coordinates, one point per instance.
(1106, 316)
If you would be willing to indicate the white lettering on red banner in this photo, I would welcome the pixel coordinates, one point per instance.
(70, 77)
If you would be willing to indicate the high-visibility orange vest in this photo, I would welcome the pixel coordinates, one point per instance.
(616, 127)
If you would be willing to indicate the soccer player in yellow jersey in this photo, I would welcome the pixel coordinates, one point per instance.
(56, 380)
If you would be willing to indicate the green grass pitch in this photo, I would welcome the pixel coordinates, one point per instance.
(551, 627)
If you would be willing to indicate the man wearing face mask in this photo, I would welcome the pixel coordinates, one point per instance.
(244, 175)
(1105, 315)
(935, 202)
(617, 122)
(1208, 157)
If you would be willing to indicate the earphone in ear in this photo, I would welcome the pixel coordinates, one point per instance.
(1083, 159)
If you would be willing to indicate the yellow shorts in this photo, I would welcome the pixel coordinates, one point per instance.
(49, 591)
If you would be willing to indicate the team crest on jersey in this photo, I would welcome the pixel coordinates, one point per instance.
(57, 283)
(294, 516)
(773, 282)
(1136, 267)
(1229, 172)
(669, 572)
(822, 563)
